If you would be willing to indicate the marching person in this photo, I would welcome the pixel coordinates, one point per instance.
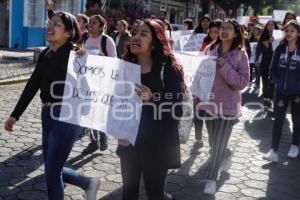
(157, 147)
(121, 37)
(265, 50)
(203, 25)
(57, 137)
(285, 71)
(223, 108)
(98, 43)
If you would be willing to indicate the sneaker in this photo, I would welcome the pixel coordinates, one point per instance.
(91, 192)
(256, 91)
(103, 141)
(92, 147)
(210, 187)
(294, 151)
(169, 196)
(271, 156)
(226, 163)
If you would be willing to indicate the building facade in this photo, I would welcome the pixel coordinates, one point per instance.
(23, 22)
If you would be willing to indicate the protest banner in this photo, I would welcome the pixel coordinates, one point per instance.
(199, 72)
(175, 37)
(243, 20)
(278, 15)
(264, 19)
(100, 94)
(191, 42)
(278, 36)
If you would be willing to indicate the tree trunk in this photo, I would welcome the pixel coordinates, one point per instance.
(205, 7)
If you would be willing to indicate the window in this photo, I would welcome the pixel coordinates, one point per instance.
(72, 6)
(34, 13)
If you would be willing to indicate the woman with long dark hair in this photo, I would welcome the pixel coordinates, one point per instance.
(265, 50)
(285, 71)
(213, 33)
(203, 24)
(157, 147)
(289, 16)
(224, 106)
(57, 137)
(121, 37)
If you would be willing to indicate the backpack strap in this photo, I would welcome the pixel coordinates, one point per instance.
(103, 44)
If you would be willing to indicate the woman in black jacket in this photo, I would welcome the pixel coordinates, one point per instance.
(285, 71)
(265, 50)
(157, 146)
(58, 137)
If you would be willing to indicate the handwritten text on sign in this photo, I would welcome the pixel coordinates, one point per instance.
(100, 94)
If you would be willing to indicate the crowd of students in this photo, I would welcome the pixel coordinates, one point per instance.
(157, 148)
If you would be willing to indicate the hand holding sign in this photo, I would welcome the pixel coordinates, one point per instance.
(144, 92)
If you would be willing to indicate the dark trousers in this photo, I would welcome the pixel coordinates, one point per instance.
(198, 121)
(252, 66)
(95, 136)
(132, 170)
(57, 142)
(219, 131)
(267, 85)
(257, 76)
(281, 103)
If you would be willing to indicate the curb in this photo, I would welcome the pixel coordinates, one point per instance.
(14, 81)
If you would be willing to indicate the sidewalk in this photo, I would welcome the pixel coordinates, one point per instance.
(15, 65)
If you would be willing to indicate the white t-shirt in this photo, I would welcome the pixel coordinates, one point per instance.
(93, 46)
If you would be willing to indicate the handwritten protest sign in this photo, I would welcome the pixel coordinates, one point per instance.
(191, 42)
(278, 35)
(175, 37)
(99, 94)
(199, 73)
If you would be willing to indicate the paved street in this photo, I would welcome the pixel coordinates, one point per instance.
(250, 177)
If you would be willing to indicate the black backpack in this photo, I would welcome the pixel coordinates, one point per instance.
(103, 44)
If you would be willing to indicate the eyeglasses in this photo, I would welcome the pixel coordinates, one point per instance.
(226, 28)
(56, 24)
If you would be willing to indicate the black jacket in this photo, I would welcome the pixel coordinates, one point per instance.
(51, 67)
(158, 140)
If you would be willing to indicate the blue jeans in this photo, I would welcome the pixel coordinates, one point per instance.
(57, 142)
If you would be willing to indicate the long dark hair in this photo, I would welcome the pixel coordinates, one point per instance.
(238, 41)
(71, 25)
(161, 52)
(265, 33)
(199, 28)
(212, 24)
(289, 13)
(296, 25)
(189, 23)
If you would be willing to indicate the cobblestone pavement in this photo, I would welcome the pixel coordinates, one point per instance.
(250, 177)
(15, 64)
